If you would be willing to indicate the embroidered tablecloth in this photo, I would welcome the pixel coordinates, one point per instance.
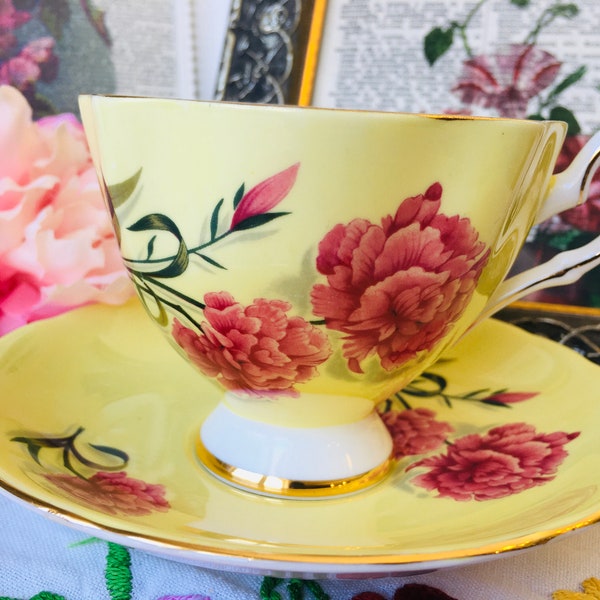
(47, 560)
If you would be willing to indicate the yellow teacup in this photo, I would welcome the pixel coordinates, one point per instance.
(312, 262)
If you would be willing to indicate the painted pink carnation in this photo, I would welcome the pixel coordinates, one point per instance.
(395, 289)
(507, 460)
(113, 493)
(415, 431)
(507, 81)
(256, 348)
(57, 246)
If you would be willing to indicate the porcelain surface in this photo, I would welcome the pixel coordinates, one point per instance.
(99, 419)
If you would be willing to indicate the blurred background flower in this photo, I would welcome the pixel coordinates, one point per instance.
(57, 246)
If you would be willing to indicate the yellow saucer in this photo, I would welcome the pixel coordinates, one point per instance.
(98, 418)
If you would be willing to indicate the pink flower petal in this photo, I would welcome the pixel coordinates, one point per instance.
(266, 195)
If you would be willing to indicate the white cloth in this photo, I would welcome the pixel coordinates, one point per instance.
(38, 554)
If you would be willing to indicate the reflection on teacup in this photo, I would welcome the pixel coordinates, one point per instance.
(313, 262)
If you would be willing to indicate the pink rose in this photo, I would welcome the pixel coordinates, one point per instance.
(10, 17)
(113, 493)
(507, 81)
(19, 72)
(56, 239)
(507, 460)
(415, 431)
(257, 348)
(41, 53)
(395, 289)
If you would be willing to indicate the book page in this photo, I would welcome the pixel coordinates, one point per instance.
(372, 54)
(152, 50)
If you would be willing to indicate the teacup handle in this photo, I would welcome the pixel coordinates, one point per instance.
(567, 190)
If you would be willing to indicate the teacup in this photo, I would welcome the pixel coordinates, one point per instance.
(313, 262)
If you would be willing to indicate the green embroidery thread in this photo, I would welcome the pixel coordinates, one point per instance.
(118, 572)
(295, 589)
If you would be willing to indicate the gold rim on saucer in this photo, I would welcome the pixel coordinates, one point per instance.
(130, 409)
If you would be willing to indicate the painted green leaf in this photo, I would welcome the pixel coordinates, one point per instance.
(214, 220)
(238, 196)
(211, 261)
(437, 42)
(55, 14)
(150, 249)
(560, 113)
(32, 448)
(257, 220)
(121, 192)
(492, 402)
(120, 454)
(160, 222)
(438, 380)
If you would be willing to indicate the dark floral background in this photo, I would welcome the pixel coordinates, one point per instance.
(51, 50)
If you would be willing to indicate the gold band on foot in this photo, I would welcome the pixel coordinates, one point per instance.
(286, 488)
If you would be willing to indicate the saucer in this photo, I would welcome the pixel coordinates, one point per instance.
(98, 418)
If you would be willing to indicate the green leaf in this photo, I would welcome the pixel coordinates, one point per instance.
(568, 81)
(238, 196)
(55, 14)
(40, 104)
(214, 220)
(536, 117)
(496, 403)
(150, 249)
(564, 240)
(520, 3)
(560, 113)
(120, 454)
(257, 220)
(437, 42)
(96, 18)
(414, 389)
(211, 261)
(568, 11)
(160, 222)
(121, 192)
